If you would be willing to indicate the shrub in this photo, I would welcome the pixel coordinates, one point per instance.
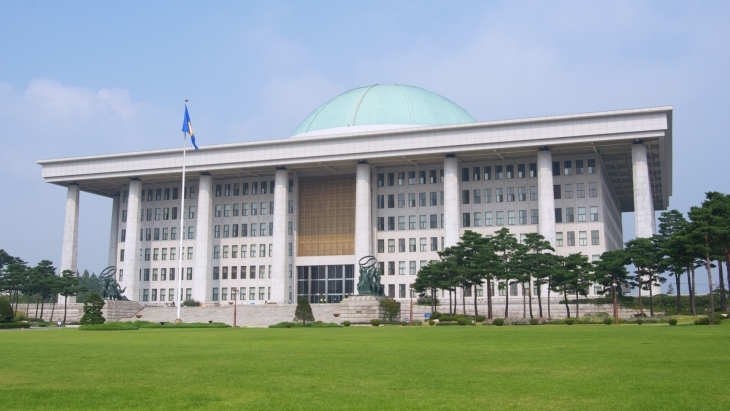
(6, 311)
(706, 321)
(480, 318)
(639, 321)
(108, 326)
(289, 325)
(672, 321)
(191, 303)
(92, 310)
(375, 322)
(15, 324)
(461, 321)
(303, 312)
(19, 316)
(498, 322)
(391, 309)
(608, 321)
(435, 315)
(346, 323)
(602, 314)
(426, 300)
(534, 321)
(431, 322)
(569, 321)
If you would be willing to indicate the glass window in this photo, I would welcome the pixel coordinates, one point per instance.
(236, 189)
(520, 171)
(218, 190)
(381, 180)
(412, 245)
(422, 222)
(568, 166)
(592, 190)
(411, 177)
(391, 267)
(227, 210)
(216, 255)
(511, 217)
(522, 193)
(422, 199)
(556, 191)
(533, 193)
(411, 222)
(594, 238)
(411, 271)
(510, 171)
(568, 191)
(381, 224)
(558, 215)
(594, 213)
(465, 174)
(432, 176)
(581, 190)
(533, 170)
(391, 201)
(583, 238)
(401, 245)
(411, 199)
(500, 218)
(477, 219)
(591, 166)
(434, 220)
(569, 215)
(497, 172)
(391, 223)
(581, 214)
(534, 216)
(401, 268)
(465, 220)
(523, 216)
(227, 190)
(499, 196)
(381, 201)
(488, 219)
(254, 208)
(422, 177)
(434, 244)
(401, 222)
(391, 245)
(476, 173)
(559, 239)
(556, 168)
(510, 194)
(401, 178)
(487, 172)
(571, 238)
(433, 198)
(391, 179)
(464, 196)
(477, 196)
(401, 200)
(578, 166)
(423, 244)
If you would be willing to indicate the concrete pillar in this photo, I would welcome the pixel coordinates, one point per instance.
(202, 252)
(70, 246)
(451, 201)
(279, 290)
(130, 266)
(363, 214)
(114, 232)
(643, 203)
(545, 196)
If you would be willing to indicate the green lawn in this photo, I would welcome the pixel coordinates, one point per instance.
(586, 367)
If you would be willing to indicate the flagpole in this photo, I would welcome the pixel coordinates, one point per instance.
(182, 228)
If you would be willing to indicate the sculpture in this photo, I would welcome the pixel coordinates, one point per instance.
(110, 289)
(369, 283)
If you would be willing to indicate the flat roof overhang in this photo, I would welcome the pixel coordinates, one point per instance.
(609, 134)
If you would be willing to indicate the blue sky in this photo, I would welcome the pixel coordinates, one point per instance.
(80, 78)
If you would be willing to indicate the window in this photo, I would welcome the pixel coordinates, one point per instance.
(433, 198)
(227, 190)
(434, 221)
(237, 190)
(487, 195)
(477, 219)
(581, 189)
(174, 213)
(254, 187)
(558, 215)
(401, 178)
(488, 219)
(422, 222)
(401, 245)
(262, 250)
(411, 222)
(497, 172)
(534, 216)
(477, 196)
(263, 208)
(556, 168)
(191, 212)
(166, 213)
(217, 232)
(581, 214)
(217, 252)
(522, 193)
(556, 191)
(412, 245)
(591, 166)
(476, 173)
(401, 268)
(218, 190)
(381, 201)
(533, 170)
(290, 228)
(582, 238)
(520, 171)
(569, 215)
(571, 238)
(226, 231)
(244, 189)
(594, 238)
(124, 236)
(381, 180)
(157, 214)
(225, 251)
(402, 223)
(510, 194)
(533, 193)
(465, 174)
(146, 254)
(487, 173)
(432, 176)
(148, 234)
(422, 199)
(499, 196)
(149, 213)
(215, 293)
(411, 270)
(391, 223)
(124, 216)
(401, 200)
(155, 254)
(243, 254)
(523, 216)
(578, 166)
(381, 246)
(500, 217)
(442, 198)
(254, 208)
(411, 199)
(391, 201)
(568, 167)
(434, 244)
(121, 255)
(291, 185)
(234, 251)
(510, 217)
(263, 187)
(244, 230)
(235, 230)
(510, 171)
(172, 253)
(594, 213)
(411, 177)
(401, 291)
(559, 239)
(568, 191)
(592, 190)
(381, 223)
(391, 179)
(423, 244)
(227, 209)
(513, 289)
(464, 196)
(391, 267)
(465, 220)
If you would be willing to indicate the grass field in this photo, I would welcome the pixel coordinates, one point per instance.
(586, 367)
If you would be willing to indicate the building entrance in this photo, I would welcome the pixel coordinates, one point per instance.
(325, 283)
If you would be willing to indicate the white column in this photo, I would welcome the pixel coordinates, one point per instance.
(643, 204)
(451, 201)
(545, 197)
(202, 252)
(130, 280)
(363, 213)
(70, 246)
(279, 291)
(114, 232)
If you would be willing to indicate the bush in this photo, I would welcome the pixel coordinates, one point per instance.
(569, 321)
(431, 322)
(498, 322)
(109, 327)
(602, 314)
(461, 321)
(672, 321)
(19, 316)
(92, 310)
(435, 315)
(303, 312)
(15, 324)
(426, 300)
(286, 324)
(608, 321)
(346, 323)
(375, 322)
(391, 309)
(639, 321)
(534, 321)
(480, 318)
(191, 303)
(706, 321)
(6, 311)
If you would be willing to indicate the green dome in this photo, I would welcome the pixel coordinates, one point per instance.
(385, 104)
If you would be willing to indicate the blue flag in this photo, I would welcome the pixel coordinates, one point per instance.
(188, 128)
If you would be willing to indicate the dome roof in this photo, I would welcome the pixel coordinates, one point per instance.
(384, 104)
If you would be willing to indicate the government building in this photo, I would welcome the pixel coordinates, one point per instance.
(393, 171)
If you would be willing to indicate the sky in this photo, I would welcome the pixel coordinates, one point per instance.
(80, 78)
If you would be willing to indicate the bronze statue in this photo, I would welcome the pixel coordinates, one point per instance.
(110, 289)
(369, 283)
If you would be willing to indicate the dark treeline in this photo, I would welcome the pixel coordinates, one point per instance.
(701, 239)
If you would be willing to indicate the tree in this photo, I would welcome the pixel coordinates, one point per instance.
(92, 310)
(671, 223)
(610, 271)
(505, 246)
(643, 255)
(45, 281)
(303, 312)
(537, 264)
(578, 270)
(6, 311)
(67, 287)
(428, 279)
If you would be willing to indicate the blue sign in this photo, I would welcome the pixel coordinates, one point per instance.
(427, 315)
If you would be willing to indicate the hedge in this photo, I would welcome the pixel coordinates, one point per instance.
(314, 324)
(148, 324)
(108, 327)
(14, 325)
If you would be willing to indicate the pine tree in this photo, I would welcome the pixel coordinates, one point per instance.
(92, 310)
(303, 312)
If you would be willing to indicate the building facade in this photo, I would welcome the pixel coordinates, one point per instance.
(392, 171)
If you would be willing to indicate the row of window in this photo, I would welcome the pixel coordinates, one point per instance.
(512, 218)
(232, 210)
(582, 238)
(161, 274)
(256, 230)
(161, 296)
(263, 292)
(223, 273)
(160, 194)
(225, 190)
(424, 222)
(570, 214)
(423, 245)
(580, 190)
(411, 178)
(156, 254)
(157, 214)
